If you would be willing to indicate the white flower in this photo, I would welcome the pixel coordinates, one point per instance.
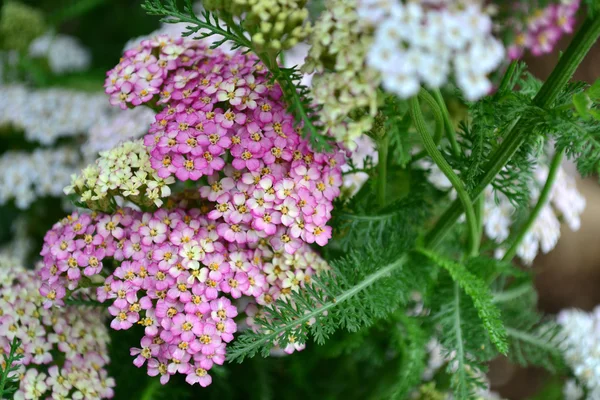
(28, 176)
(64, 53)
(581, 349)
(426, 39)
(572, 391)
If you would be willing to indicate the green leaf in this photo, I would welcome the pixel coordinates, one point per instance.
(414, 357)
(9, 377)
(532, 339)
(481, 296)
(316, 310)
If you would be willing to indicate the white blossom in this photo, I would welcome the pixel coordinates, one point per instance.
(28, 176)
(581, 349)
(64, 53)
(418, 43)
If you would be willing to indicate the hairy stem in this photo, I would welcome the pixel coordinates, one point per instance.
(542, 201)
(580, 45)
(450, 134)
(456, 182)
(437, 114)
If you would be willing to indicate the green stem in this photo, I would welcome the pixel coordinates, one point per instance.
(437, 114)
(567, 65)
(456, 182)
(382, 149)
(542, 201)
(450, 134)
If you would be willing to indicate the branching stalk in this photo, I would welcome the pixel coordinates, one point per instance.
(456, 182)
(542, 201)
(580, 45)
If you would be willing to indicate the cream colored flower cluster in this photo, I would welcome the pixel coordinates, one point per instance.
(276, 24)
(273, 25)
(124, 171)
(343, 83)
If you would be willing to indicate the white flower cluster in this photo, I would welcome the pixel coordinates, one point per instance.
(46, 115)
(582, 350)
(64, 53)
(565, 201)
(121, 126)
(24, 177)
(415, 44)
(20, 245)
(123, 171)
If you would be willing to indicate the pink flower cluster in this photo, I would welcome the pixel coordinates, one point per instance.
(225, 122)
(64, 349)
(177, 275)
(545, 28)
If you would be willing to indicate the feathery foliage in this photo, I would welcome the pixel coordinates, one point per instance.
(477, 290)
(532, 339)
(490, 119)
(413, 340)
(574, 122)
(337, 299)
(9, 377)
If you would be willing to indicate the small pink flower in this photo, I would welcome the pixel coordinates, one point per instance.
(122, 96)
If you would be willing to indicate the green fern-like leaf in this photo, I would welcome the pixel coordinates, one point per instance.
(532, 339)
(9, 378)
(414, 343)
(479, 294)
(361, 287)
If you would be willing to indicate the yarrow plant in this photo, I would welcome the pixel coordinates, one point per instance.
(62, 352)
(238, 208)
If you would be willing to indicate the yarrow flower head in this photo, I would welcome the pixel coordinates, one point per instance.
(45, 115)
(64, 53)
(178, 276)
(343, 82)
(544, 28)
(418, 44)
(125, 171)
(581, 334)
(64, 349)
(223, 107)
(27, 177)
